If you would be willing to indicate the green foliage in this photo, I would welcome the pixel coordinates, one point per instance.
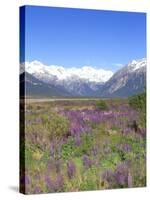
(28, 156)
(69, 149)
(90, 179)
(88, 184)
(110, 160)
(48, 146)
(57, 126)
(102, 105)
(138, 102)
(86, 144)
(49, 126)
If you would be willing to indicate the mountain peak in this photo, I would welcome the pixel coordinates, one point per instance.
(36, 62)
(137, 64)
(129, 80)
(87, 73)
(88, 80)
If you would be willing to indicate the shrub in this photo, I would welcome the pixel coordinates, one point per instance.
(48, 125)
(57, 126)
(138, 102)
(102, 105)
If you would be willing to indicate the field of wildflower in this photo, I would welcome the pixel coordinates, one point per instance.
(80, 145)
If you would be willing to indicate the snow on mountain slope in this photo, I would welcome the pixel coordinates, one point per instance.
(31, 86)
(90, 81)
(87, 73)
(136, 64)
(129, 80)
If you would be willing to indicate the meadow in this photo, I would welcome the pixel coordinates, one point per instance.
(79, 145)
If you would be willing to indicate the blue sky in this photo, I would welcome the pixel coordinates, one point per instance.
(78, 37)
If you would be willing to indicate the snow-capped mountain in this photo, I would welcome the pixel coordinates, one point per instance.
(89, 81)
(31, 86)
(86, 72)
(77, 81)
(129, 80)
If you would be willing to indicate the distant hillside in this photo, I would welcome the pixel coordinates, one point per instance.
(45, 81)
(128, 81)
(35, 87)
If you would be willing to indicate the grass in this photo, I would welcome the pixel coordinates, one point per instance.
(102, 149)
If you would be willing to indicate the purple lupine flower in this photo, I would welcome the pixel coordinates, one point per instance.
(95, 150)
(79, 119)
(142, 132)
(129, 180)
(124, 147)
(52, 150)
(71, 169)
(49, 182)
(38, 120)
(38, 176)
(119, 178)
(37, 190)
(58, 165)
(126, 131)
(50, 166)
(25, 180)
(121, 174)
(87, 162)
(58, 183)
(108, 176)
(106, 149)
(77, 140)
(54, 185)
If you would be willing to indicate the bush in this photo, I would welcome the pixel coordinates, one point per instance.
(102, 105)
(138, 102)
(57, 126)
(43, 128)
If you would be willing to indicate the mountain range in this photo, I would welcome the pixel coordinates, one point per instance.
(44, 81)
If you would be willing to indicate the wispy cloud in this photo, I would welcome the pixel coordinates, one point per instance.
(118, 64)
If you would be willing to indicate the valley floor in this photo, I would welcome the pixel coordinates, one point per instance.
(76, 145)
